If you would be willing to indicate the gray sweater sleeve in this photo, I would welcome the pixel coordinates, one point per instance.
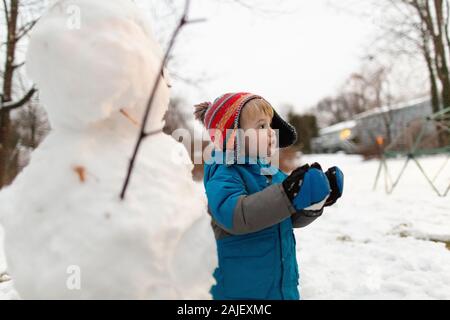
(304, 218)
(261, 210)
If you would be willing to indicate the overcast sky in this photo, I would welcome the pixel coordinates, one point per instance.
(298, 53)
(289, 58)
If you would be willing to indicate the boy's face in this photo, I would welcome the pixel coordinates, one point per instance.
(260, 138)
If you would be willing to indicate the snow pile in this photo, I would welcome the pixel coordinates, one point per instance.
(67, 234)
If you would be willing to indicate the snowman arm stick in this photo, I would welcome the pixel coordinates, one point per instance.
(142, 134)
(17, 104)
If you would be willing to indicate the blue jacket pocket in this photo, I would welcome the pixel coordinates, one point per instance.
(248, 266)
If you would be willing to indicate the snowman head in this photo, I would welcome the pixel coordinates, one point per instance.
(92, 59)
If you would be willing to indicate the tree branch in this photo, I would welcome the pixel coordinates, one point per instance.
(23, 31)
(16, 66)
(5, 9)
(8, 106)
(142, 134)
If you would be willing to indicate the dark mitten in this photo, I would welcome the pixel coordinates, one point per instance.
(317, 166)
(304, 186)
(314, 191)
(336, 178)
(291, 184)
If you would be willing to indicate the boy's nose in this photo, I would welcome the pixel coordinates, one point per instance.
(271, 132)
(272, 136)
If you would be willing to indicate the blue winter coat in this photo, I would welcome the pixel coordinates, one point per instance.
(253, 221)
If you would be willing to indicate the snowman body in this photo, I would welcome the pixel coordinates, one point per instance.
(68, 235)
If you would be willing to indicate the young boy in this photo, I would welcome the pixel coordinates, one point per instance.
(255, 206)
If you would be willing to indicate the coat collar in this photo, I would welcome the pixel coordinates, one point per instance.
(254, 164)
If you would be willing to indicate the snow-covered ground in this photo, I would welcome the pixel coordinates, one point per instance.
(371, 245)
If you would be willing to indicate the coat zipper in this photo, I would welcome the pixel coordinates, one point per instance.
(282, 261)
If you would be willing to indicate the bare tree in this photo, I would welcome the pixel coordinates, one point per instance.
(420, 27)
(362, 91)
(20, 16)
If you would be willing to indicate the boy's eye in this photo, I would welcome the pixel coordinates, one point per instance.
(263, 126)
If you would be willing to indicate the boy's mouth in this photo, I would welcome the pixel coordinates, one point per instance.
(272, 143)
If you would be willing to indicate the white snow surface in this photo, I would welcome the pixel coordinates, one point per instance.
(371, 245)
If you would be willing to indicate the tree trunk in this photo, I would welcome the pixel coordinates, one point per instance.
(6, 148)
(438, 41)
(434, 91)
(442, 45)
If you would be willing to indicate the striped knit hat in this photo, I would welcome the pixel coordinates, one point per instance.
(221, 119)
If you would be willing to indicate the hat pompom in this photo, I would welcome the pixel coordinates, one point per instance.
(200, 110)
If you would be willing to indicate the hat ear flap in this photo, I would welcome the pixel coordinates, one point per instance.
(287, 135)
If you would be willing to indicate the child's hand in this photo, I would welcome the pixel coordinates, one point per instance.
(291, 184)
(336, 179)
(314, 191)
(307, 187)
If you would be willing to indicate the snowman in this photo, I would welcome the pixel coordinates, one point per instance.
(68, 235)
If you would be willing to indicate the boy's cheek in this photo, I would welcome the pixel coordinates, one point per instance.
(251, 146)
(265, 145)
(260, 145)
